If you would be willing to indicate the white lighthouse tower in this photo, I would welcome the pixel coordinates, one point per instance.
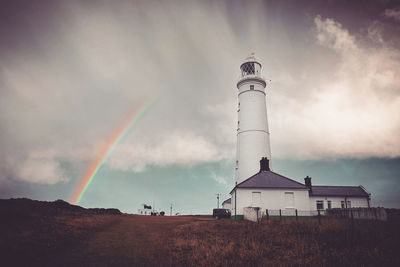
(252, 130)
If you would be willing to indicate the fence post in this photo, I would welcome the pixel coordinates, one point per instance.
(297, 218)
(280, 215)
(257, 209)
(319, 217)
(351, 216)
(267, 214)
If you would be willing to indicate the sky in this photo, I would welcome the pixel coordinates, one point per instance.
(71, 71)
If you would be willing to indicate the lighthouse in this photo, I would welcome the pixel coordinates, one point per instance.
(258, 188)
(252, 126)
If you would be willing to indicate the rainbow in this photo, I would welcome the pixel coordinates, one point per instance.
(134, 116)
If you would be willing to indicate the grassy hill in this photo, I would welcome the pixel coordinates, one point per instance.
(35, 233)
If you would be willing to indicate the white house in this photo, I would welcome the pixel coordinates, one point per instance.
(269, 190)
(256, 184)
(145, 210)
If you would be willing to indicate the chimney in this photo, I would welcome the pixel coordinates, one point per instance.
(307, 181)
(264, 164)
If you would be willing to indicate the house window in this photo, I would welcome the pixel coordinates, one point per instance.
(289, 199)
(320, 204)
(348, 204)
(256, 199)
(342, 204)
(251, 87)
(329, 204)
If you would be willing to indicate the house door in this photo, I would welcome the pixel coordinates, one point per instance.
(256, 199)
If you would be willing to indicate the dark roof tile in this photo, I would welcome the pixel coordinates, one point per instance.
(226, 201)
(269, 179)
(353, 191)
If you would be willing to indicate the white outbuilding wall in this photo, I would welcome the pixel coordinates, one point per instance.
(336, 202)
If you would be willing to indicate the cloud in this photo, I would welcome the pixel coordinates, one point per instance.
(375, 31)
(351, 112)
(331, 33)
(393, 13)
(41, 167)
(82, 68)
(219, 179)
(176, 148)
(70, 91)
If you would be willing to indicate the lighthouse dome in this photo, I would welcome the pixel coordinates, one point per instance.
(251, 58)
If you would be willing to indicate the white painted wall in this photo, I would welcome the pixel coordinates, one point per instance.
(276, 199)
(252, 214)
(252, 134)
(272, 199)
(356, 202)
(144, 211)
(227, 206)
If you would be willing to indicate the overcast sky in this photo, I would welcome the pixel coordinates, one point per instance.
(70, 71)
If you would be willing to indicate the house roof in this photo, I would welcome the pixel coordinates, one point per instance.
(348, 191)
(269, 179)
(228, 201)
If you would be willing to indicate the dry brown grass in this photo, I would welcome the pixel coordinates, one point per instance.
(129, 240)
(334, 243)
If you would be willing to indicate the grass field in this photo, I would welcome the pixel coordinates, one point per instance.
(132, 240)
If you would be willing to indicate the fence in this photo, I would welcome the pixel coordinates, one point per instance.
(256, 214)
(293, 213)
(359, 213)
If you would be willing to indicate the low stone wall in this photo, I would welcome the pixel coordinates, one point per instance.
(359, 213)
(252, 214)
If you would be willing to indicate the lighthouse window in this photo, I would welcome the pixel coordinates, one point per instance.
(248, 69)
(251, 87)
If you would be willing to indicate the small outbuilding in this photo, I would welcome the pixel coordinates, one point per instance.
(145, 210)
